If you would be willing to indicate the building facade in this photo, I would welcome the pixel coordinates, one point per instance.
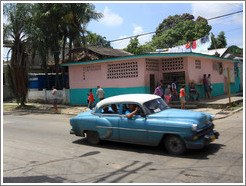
(140, 74)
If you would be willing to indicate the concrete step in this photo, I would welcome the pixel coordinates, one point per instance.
(186, 106)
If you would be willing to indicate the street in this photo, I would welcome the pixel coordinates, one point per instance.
(37, 148)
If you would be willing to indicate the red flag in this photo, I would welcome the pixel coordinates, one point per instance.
(194, 45)
(188, 45)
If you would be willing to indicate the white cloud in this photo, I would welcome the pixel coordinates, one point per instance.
(137, 30)
(210, 10)
(121, 44)
(110, 18)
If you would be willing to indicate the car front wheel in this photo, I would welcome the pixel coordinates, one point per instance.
(92, 137)
(174, 145)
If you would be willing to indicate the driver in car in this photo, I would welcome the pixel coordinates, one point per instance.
(131, 111)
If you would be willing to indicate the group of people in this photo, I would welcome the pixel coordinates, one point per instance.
(170, 93)
(99, 93)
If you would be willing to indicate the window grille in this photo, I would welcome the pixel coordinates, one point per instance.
(122, 70)
(152, 65)
(90, 68)
(172, 64)
(198, 64)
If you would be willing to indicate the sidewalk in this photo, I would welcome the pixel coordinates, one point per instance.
(217, 106)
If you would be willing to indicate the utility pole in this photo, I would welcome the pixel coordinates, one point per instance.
(229, 88)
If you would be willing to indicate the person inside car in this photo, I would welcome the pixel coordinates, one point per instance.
(114, 108)
(106, 111)
(131, 111)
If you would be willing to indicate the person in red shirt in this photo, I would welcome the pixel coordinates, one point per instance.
(182, 95)
(90, 99)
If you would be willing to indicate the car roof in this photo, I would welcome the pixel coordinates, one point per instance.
(134, 98)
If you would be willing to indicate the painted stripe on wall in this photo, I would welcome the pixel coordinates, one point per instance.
(79, 96)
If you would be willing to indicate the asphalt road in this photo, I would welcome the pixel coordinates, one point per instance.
(37, 148)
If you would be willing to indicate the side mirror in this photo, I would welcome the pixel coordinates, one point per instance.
(143, 115)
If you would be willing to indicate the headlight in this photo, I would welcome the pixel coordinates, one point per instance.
(212, 117)
(194, 127)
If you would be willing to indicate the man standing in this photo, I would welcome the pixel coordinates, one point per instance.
(209, 85)
(55, 96)
(206, 87)
(100, 93)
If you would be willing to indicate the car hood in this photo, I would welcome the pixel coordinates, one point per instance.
(86, 113)
(183, 115)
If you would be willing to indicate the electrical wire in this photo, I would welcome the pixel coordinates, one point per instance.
(154, 32)
(217, 17)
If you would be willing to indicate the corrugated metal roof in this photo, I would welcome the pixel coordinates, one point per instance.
(221, 51)
(109, 51)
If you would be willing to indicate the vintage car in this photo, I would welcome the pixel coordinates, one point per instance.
(153, 124)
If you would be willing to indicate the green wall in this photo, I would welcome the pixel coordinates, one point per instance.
(79, 96)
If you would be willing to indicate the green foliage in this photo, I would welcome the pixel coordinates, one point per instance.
(173, 31)
(219, 42)
(235, 50)
(97, 40)
(134, 47)
(180, 29)
(18, 17)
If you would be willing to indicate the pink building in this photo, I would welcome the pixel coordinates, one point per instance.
(140, 74)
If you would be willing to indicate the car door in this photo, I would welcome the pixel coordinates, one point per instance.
(107, 125)
(132, 130)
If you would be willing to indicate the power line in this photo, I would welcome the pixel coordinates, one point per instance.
(224, 15)
(154, 32)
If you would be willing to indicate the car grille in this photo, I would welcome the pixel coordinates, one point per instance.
(205, 130)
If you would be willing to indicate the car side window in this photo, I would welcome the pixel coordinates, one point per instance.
(110, 109)
(126, 108)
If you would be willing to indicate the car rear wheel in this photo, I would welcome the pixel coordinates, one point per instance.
(174, 145)
(92, 137)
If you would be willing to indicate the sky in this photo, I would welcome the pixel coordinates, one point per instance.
(124, 19)
(128, 19)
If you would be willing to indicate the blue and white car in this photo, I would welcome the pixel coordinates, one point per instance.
(154, 124)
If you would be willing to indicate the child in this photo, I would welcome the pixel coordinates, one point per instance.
(182, 95)
(90, 99)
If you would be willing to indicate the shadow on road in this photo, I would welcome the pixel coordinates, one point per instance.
(33, 179)
(159, 150)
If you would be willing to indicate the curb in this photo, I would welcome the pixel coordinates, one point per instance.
(231, 113)
(40, 111)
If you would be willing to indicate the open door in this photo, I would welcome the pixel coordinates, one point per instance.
(152, 83)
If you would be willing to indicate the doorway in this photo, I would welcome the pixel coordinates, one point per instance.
(152, 83)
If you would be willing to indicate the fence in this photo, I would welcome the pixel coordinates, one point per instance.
(45, 96)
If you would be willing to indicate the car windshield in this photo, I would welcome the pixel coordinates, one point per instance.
(155, 106)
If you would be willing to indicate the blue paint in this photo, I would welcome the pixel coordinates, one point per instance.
(79, 96)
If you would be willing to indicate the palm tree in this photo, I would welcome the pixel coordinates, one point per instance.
(15, 30)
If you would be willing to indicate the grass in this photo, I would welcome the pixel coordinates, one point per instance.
(234, 106)
(9, 106)
(19, 107)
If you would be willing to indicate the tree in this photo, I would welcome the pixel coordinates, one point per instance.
(17, 15)
(134, 46)
(235, 50)
(97, 40)
(180, 29)
(219, 42)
